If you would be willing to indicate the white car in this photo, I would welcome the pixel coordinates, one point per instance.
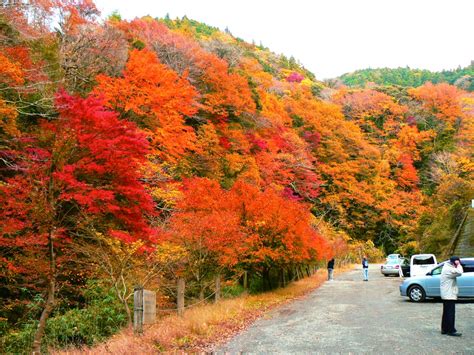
(421, 264)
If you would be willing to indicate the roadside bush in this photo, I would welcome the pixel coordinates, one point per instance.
(232, 290)
(103, 316)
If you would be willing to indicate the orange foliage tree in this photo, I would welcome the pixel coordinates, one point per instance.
(224, 93)
(244, 228)
(157, 99)
(441, 100)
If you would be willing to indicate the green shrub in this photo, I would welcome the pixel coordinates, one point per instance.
(233, 290)
(102, 317)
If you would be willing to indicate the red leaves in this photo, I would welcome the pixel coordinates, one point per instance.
(104, 177)
(295, 77)
(87, 157)
(407, 175)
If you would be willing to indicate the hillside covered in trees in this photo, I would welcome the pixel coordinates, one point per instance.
(139, 152)
(463, 78)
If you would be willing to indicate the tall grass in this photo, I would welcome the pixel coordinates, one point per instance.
(205, 326)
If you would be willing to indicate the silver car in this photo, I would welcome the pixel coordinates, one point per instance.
(393, 266)
(420, 287)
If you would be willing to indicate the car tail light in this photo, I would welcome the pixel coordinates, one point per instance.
(397, 266)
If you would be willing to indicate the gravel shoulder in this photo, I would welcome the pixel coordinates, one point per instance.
(349, 315)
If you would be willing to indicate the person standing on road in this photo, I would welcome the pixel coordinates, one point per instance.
(449, 294)
(365, 268)
(330, 269)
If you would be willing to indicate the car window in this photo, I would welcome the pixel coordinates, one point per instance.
(424, 261)
(437, 270)
(468, 265)
(392, 262)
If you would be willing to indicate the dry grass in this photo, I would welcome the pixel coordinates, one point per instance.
(204, 326)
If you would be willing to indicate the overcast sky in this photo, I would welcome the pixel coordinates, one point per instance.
(333, 37)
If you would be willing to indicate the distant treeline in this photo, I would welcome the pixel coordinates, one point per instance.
(461, 77)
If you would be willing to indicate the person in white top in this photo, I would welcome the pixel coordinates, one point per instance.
(452, 269)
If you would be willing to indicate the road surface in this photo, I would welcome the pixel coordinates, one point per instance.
(349, 315)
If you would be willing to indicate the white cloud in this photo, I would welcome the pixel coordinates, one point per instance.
(331, 37)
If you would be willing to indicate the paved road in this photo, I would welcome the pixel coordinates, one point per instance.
(348, 315)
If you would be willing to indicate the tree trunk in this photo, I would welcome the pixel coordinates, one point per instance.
(246, 282)
(36, 349)
(281, 278)
(266, 279)
(291, 276)
(129, 313)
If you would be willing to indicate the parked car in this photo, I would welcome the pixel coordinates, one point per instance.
(420, 287)
(394, 256)
(393, 265)
(420, 264)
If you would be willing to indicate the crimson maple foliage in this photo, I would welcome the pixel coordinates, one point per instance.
(80, 175)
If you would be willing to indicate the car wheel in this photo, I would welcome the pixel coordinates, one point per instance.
(416, 293)
(385, 275)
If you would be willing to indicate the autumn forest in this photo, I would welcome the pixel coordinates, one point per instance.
(143, 151)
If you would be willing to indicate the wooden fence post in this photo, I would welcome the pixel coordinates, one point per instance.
(138, 310)
(181, 286)
(218, 288)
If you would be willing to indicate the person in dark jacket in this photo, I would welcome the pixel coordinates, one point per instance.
(331, 269)
(365, 268)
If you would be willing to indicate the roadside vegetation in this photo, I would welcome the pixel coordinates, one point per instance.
(206, 325)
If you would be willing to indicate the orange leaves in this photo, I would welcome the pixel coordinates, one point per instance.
(149, 87)
(368, 103)
(274, 110)
(157, 98)
(227, 93)
(11, 73)
(245, 225)
(375, 112)
(409, 139)
(442, 100)
(278, 230)
(8, 116)
(223, 93)
(407, 175)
